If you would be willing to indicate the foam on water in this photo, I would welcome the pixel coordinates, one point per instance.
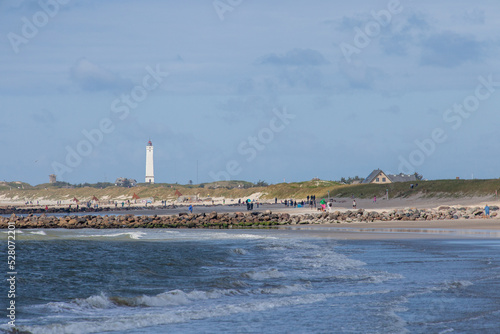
(147, 235)
(369, 277)
(263, 275)
(162, 317)
(168, 298)
(131, 235)
(155, 317)
(38, 232)
(450, 285)
(100, 301)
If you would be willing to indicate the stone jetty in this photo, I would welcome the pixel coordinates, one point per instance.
(241, 220)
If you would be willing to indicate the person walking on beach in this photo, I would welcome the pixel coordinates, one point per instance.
(486, 211)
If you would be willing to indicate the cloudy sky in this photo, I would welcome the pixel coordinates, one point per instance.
(248, 90)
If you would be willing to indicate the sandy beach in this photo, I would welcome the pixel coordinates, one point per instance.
(344, 204)
(440, 229)
(394, 229)
(341, 204)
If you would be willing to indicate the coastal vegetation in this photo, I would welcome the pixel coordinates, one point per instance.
(19, 191)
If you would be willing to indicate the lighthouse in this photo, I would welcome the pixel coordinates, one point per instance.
(150, 173)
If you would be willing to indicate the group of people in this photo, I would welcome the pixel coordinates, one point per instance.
(291, 202)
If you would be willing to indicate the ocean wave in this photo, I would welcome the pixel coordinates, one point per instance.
(132, 235)
(99, 301)
(327, 260)
(103, 322)
(38, 232)
(355, 294)
(215, 235)
(169, 298)
(281, 290)
(445, 286)
(374, 277)
(166, 299)
(178, 297)
(79, 305)
(263, 275)
(239, 251)
(106, 320)
(452, 285)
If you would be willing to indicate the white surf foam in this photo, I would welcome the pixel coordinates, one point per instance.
(141, 319)
(103, 323)
(38, 232)
(263, 275)
(132, 235)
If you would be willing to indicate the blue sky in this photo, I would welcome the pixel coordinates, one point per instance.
(283, 90)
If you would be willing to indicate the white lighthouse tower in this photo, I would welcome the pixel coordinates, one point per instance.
(150, 173)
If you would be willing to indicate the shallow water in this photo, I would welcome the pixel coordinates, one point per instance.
(253, 281)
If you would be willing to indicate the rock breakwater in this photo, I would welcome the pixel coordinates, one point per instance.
(240, 220)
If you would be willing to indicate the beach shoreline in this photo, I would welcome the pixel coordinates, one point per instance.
(438, 229)
(397, 218)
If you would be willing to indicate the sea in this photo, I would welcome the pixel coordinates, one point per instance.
(295, 280)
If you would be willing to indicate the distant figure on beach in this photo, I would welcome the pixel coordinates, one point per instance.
(487, 211)
(375, 199)
(190, 208)
(354, 204)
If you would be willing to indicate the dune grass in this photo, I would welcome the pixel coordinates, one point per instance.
(295, 190)
(429, 189)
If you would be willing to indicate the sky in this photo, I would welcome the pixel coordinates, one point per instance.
(248, 90)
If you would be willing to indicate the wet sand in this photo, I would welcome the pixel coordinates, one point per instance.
(437, 229)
